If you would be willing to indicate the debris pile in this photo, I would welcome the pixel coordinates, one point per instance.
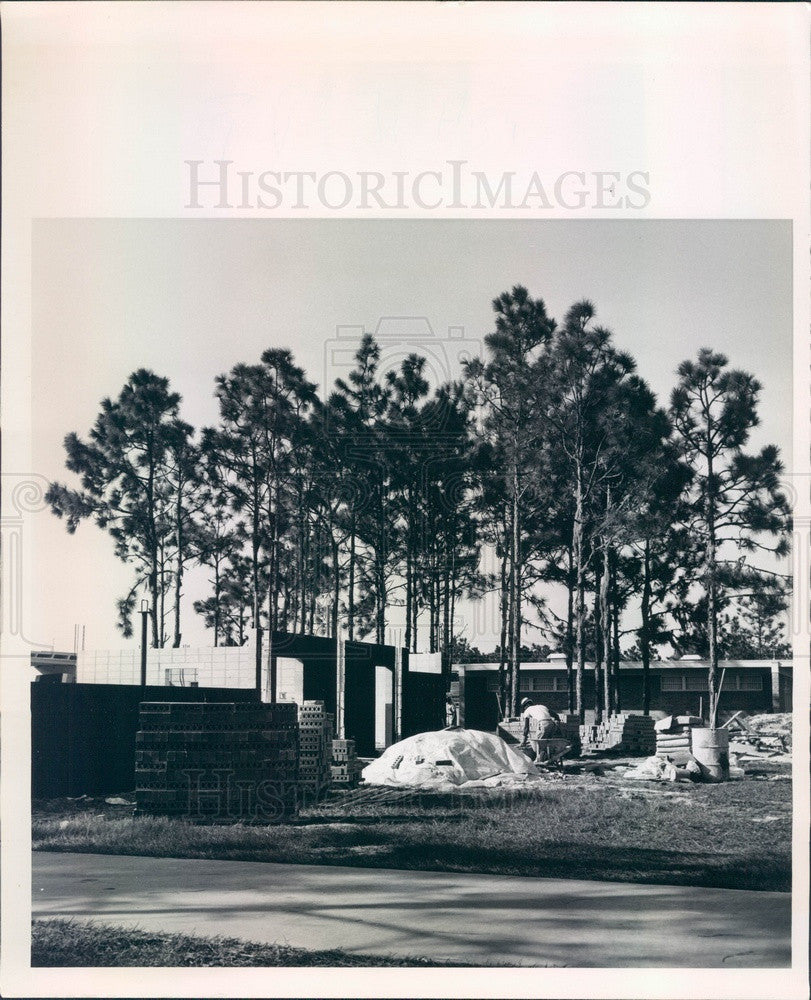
(449, 759)
(632, 734)
(760, 736)
(658, 768)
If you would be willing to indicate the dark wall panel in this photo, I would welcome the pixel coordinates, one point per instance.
(83, 735)
(359, 706)
(423, 703)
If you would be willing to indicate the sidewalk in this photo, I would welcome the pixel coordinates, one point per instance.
(471, 918)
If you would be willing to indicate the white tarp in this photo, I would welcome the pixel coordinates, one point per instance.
(451, 758)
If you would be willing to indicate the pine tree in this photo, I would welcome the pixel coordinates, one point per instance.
(506, 386)
(125, 471)
(736, 499)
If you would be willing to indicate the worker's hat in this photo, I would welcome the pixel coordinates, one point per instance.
(526, 701)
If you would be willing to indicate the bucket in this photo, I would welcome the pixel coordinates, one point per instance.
(711, 751)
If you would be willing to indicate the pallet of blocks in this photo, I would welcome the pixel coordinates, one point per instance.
(315, 750)
(623, 733)
(345, 766)
(217, 762)
(570, 728)
(511, 731)
(674, 737)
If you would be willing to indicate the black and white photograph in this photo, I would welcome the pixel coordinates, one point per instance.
(405, 571)
(490, 580)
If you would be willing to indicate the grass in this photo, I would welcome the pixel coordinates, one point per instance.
(585, 826)
(69, 943)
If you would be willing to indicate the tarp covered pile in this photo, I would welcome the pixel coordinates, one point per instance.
(451, 758)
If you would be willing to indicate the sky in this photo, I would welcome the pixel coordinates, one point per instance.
(191, 298)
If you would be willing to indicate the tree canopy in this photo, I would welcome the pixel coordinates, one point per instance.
(384, 500)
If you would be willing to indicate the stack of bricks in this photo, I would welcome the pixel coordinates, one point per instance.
(570, 728)
(217, 762)
(674, 737)
(631, 734)
(315, 750)
(345, 766)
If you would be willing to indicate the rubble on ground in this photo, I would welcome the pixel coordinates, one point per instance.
(658, 768)
(661, 768)
(761, 736)
(450, 759)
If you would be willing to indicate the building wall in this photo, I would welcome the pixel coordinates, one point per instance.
(53, 666)
(210, 666)
(234, 668)
(547, 685)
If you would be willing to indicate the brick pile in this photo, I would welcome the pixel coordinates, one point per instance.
(631, 734)
(217, 762)
(345, 766)
(315, 750)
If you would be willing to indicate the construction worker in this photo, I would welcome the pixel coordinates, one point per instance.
(450, 712)
(542, 720)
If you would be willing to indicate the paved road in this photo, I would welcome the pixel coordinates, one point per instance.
(470, 918)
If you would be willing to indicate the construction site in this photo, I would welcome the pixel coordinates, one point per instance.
(167, 791)
(329, 715)
(413, 648)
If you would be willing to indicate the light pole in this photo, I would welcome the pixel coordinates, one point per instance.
(144, 616)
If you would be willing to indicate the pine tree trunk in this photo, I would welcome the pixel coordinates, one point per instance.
(645, 631)
(598, 671)
(409, 582)
(505, 605)
(336, 585)
(712, 622)
(606, 630)
(162, 598)
(255, 582)
(216, 601)
(301, 597)
(615, 640)
(153, 549)
(415, 607)
(351, 595)
(179, 543)
(452, 602)
(446, 611)
(515, 595)
(580, 599)
(286, 603)
(569, 645)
